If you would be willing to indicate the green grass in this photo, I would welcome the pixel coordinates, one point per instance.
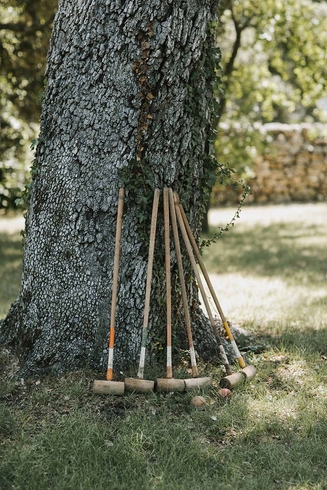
(271, 269)
(10, 262)
(270, 273)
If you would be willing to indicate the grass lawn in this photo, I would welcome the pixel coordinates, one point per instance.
(10, 260)
(270, 276)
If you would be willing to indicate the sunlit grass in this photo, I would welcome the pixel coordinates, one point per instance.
(270, 270)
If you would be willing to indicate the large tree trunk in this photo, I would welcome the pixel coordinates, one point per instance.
(127, 103)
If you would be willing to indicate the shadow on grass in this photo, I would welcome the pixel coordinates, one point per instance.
(309, 340)
(309, 345)
(284, 250)
(283, 451)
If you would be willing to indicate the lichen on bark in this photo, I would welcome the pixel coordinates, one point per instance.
(118, 110)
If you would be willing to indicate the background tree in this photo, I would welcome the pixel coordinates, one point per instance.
(274, 64)
(25, 29)
(274, 70)
(128, 102)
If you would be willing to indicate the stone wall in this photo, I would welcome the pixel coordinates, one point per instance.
(293, 167)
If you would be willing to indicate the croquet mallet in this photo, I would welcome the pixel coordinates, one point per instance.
(168, 384)
(141, 385)
(195, 382)
(109, 386)
(188, 246)
(246, 372)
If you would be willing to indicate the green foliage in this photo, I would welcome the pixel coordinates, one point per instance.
(274, 63)
(221, 229)
(25, 29)
(214, 170)
(22, 201)
(279, 73)
(139, 187)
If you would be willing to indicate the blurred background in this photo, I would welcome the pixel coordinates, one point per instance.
(273, 113)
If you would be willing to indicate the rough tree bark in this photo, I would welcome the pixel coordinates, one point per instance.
(127, 103)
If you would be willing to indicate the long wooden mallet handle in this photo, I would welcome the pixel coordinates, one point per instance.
(115, 283)
(211, 289)
(169, 372)
(182, 282)
(140, 373)
(200, 284)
